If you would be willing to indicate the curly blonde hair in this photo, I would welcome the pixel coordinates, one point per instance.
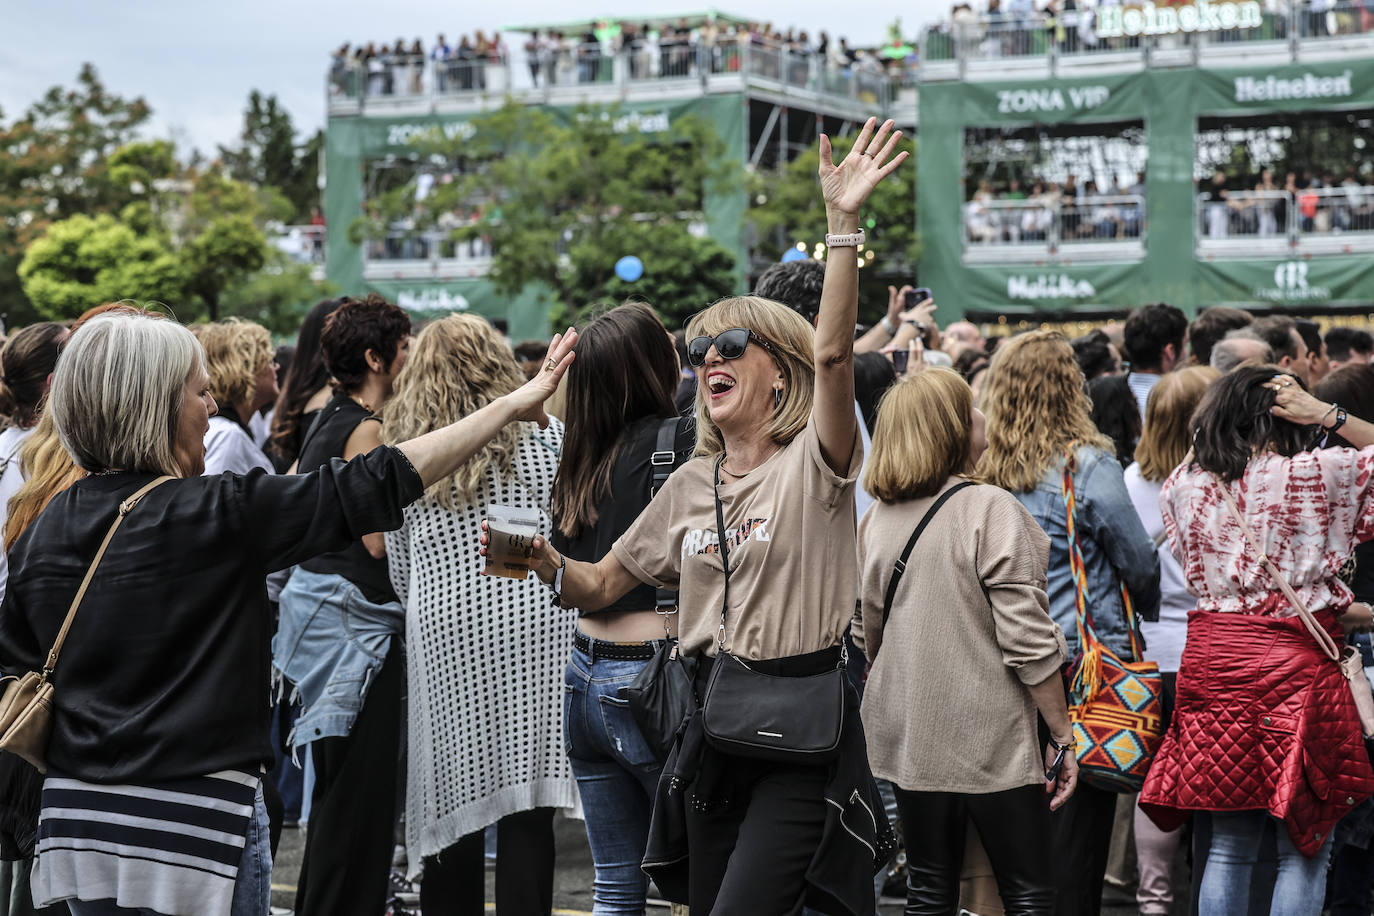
(235, 352)
(457, 365)
(1036, 407)
(793, 341)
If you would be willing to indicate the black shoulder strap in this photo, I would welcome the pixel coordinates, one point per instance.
(662, 463)
(900, 566)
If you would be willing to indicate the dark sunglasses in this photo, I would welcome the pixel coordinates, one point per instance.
(729, 344)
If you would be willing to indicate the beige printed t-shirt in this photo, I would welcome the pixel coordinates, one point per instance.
(790, 533)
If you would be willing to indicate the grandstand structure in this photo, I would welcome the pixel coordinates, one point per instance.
(1187, 119)
(767, 103)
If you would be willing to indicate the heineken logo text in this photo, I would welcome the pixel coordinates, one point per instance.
(1307, 86)
(1202, 16)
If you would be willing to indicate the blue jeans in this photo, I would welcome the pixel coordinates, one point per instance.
(616, 773)
(1301, 884)
(252, 891)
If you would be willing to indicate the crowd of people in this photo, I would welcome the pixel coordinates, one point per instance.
(792, 587)
(1302, 203)
(1042, 210)
(649, 50)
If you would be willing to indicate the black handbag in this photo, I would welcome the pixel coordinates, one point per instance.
(662, 696)
(751, 714)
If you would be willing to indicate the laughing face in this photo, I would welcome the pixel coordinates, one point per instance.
(740, 392)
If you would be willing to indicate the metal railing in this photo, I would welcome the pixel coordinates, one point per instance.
(1142, 30)
(1054, 223)
(303, 244)
(1293, 216)
(436, 246)
(354, 85)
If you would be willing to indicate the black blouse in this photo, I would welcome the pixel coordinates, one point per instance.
(166, 671)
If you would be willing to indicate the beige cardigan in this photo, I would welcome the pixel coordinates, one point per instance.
(946, 708)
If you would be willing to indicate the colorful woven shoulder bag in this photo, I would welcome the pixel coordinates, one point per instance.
(1116, 706)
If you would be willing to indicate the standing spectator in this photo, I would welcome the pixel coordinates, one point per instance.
(1290, 350)
(484, 655)
(1153, 338)
(1038, 427)
(1210, 326)
(1115, 415)
(1096, 355)
(1318, 365)
(243, 379)
(1240, 346)
(971, 609)
(1162, 448)
(441, 53)
(1218, 209)
(304, 392)
(534, 56)
(1348, 347)
(337, 638)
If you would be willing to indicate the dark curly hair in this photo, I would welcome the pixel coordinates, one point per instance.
(1233, 423)
(356, 326)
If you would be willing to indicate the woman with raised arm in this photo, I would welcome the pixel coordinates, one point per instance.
(778, 452)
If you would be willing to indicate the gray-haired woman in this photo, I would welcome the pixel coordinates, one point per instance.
(152, 800)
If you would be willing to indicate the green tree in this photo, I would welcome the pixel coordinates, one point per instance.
(787, 210)
(277, 296)
(83, 261)
(269, 157)
(55, 163)
(561, 202)
(228, 250)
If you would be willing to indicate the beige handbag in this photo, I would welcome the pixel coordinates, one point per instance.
(1346, 657)
(26, 705)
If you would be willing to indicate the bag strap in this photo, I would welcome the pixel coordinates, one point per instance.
(1323, 638)
(125, 508)
(662, 463)
(724, 554)
(899, 567)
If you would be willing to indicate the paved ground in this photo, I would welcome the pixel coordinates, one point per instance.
(573, 878)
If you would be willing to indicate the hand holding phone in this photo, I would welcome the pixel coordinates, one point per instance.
(916, 296)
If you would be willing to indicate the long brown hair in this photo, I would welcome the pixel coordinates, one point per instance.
(1036, 407)
(625, 371)
(306, 376)
(1233, 423)
(26, 361)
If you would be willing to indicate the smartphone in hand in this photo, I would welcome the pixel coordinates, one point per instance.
(916, 296)
(900, 360)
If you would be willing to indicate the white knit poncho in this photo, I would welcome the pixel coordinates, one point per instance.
(485, 663)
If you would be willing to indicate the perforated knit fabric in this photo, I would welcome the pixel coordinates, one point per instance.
(485, 663)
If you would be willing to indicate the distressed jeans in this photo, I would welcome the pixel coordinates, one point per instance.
(617, 775)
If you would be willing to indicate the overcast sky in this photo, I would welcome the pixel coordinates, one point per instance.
(195, 61)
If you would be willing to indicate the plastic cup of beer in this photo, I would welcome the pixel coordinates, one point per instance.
(510, 540)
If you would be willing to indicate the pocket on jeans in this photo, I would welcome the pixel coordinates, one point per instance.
(622, 733)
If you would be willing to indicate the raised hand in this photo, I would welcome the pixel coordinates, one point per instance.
(529, 398)
(846, 186)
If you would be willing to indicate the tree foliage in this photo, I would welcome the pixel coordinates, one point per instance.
(267, 156)
(561, 202)
(787, 209)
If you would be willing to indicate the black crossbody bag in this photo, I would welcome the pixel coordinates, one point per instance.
(751, 714)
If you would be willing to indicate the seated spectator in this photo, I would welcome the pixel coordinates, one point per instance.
(1238, 347)
(1290, 350)
(1348, 347)
(1210, 326)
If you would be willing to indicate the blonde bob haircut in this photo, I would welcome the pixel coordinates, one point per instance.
(793, 341)
(1036, 406)
(235, 352)
(1168, 420)
(922, 437)
(117, 392)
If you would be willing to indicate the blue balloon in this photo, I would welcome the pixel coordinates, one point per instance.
(629, 268)
(793, 254)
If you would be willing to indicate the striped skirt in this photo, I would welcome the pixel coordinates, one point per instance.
(171, 847)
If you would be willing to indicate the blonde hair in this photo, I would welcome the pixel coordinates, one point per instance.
(793, 341)
(48, 470)
(457, 365)
(1036, 407)
(1168, 420)
(117, 392)
(235, 352)
(922, 436)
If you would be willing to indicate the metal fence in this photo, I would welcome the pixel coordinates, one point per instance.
(1057, 223)
(436, 246)
(1294, 215)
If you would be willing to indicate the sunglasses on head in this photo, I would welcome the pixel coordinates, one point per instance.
(729, 344)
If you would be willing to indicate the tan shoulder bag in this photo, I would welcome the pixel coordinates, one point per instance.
(26, 705)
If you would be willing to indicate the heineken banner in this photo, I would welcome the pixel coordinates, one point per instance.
(526, 315)
(1305, 281)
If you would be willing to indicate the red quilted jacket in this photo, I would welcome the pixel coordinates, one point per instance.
(1265, 721)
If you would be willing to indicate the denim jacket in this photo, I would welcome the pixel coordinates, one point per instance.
(330, 643)
(1114, 543)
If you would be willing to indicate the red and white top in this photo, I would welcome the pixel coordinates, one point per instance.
(1307, 512)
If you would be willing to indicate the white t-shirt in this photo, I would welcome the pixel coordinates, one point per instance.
(1164, 639)
(11, 479)
(228, 447)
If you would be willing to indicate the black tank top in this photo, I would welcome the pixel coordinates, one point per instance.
(326, 440)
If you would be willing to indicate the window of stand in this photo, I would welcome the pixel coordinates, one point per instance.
(423, 233)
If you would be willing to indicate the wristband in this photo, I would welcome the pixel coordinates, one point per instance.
(557, 584)
(852, 240)
(1072, 743)
(887, 326)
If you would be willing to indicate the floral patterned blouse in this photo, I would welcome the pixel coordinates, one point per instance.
(1307, 512)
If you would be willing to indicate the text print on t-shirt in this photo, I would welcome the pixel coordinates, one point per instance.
(704, 540)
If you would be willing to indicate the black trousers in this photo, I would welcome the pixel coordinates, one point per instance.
(455, 880)
(1015, 828)
(1082, 833)
(348, 845)
(751, 847)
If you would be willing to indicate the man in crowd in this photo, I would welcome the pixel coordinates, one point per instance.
(1241, 345)
(1348, 347)
(1210, 326)
(1153, 337)
(1318, 365)
(1290, 350)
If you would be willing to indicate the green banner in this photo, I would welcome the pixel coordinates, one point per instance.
(527, 314)
(1051, 101)
(1296, 87)
(1335, 280)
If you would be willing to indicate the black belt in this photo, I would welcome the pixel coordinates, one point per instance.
(619, 651)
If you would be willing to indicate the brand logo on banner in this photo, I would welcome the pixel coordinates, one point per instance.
(1291, 285)
(647, 122)
(431, 300)
(1017, 101)
(1148, 19)
(405, 134)
(1049, 287)
(1307, 86)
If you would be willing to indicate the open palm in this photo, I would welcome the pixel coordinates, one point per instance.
(846, 186)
